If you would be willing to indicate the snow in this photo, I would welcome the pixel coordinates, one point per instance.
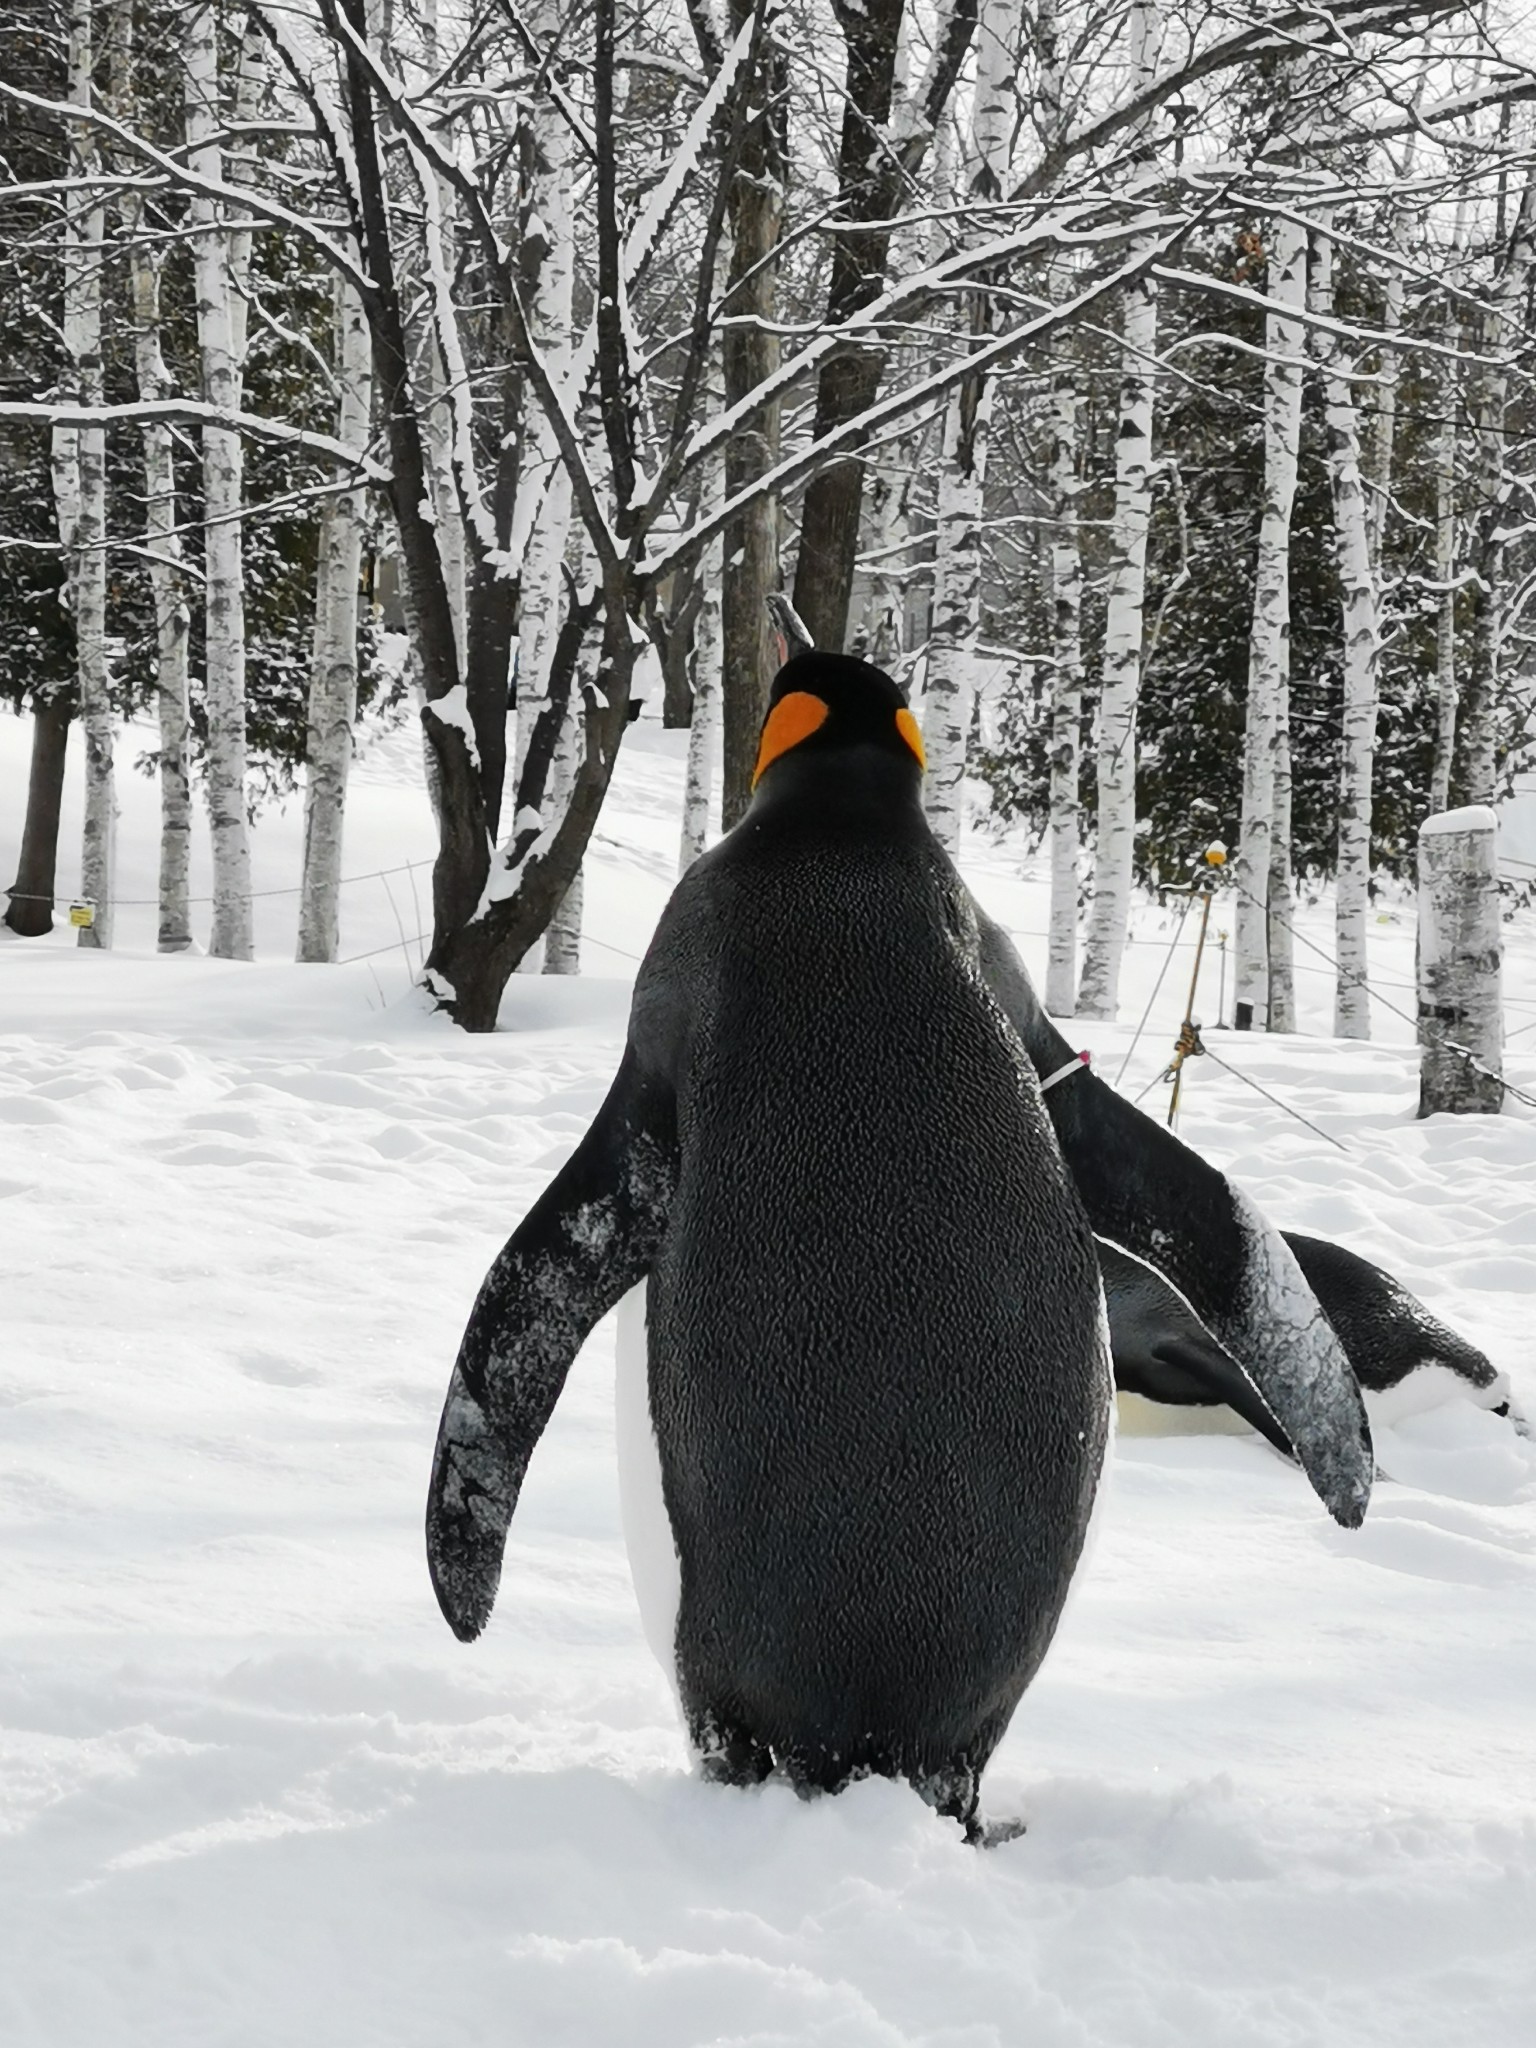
(1470, 818)
(1280, 1779)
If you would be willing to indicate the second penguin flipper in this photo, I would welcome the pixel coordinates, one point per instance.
(1164, 1352)
(1149, 1192)
(592, 1234)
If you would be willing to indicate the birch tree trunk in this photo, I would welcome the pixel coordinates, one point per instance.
(333, 664)
(1269, 646)
(1282, 896)
(562, 939)
(79, 459)
(1445, 579)
(950, 690)
(751, 355)
(167, 577)
(1477, 740)
(1066, 694)
(1362, 655)
(880, 632)
(544, 488)
(1098, 992)
(708, 661)
(431, 374)
(1384, 438)
(218, 334)
(1066, 581)
(704, 727)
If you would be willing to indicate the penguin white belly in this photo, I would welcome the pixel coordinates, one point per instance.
(1428, 1387)
(653, 1561)
(1141, 1417)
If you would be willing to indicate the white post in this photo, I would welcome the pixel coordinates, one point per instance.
(1460, 1016)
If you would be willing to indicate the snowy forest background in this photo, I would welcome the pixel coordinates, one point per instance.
(1146, 386)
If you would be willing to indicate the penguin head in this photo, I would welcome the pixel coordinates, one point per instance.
(832, 704)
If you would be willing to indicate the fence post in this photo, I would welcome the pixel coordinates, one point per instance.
(1458, 964)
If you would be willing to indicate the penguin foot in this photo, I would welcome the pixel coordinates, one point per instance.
(991, 1834)
(728, 1755)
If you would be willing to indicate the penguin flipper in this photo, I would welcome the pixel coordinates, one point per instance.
(1145, 1189)
(1165, 1353)
(592, 1234)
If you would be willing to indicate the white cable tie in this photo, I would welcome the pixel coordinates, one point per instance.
(1077, 1061)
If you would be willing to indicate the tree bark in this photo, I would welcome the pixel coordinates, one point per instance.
(1282, 895)
(1066, 579)
(544, 486)
(1384, 439)
(167, 579)
(1362, 656)
(80, 482)
(751, 354)
(874, 166)
(708, 659)
(562, 939)
(223, 492)
(333, 666)
(30, 911)
(1445, 610)
(950, 691)
(1066, 694)
(1269, 641)
(1477, 740)
(1098, 992)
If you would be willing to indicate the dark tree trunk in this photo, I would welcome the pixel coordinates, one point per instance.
(469, 966)
(750, 355)
(673, 634)
(30, 912)
(872, 177)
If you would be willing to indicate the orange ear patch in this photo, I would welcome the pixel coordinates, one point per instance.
(793, 719)
(906, 725)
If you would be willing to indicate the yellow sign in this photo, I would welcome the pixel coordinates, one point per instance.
(82, 914)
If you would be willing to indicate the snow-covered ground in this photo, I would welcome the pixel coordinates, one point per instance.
(1280, 1781)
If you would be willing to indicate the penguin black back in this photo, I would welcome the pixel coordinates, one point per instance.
(875, 1349)
(878, 1372)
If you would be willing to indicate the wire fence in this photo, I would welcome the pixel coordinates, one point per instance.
(1373, 984)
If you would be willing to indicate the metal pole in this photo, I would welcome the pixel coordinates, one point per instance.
(1187, 1041)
